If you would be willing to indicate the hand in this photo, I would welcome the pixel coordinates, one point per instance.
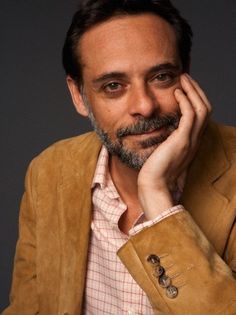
(167, 165)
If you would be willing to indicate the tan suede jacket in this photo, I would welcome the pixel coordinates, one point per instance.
(197, 247)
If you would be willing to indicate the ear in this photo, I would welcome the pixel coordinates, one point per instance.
(76, 97)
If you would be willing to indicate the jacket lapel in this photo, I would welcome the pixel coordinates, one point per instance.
(206, 204)
(74, 220)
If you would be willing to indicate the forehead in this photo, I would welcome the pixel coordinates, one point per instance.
(127, 42)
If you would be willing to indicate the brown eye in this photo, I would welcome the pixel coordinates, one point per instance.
(112, 87)
(163, 77)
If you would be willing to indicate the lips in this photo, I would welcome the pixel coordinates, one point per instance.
(154, 130)
(155, 140)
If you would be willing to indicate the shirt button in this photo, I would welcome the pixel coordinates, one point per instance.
(130, 312)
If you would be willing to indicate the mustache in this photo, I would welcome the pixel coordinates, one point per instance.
(144, 125)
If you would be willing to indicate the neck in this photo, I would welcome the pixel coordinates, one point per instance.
(125, 180)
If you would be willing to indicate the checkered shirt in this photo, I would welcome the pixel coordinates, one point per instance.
(109, 288)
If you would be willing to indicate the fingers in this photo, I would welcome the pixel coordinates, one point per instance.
(198, 103)
(196, 96)
(188, 116)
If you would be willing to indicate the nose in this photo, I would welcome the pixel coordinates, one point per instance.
(142, 102)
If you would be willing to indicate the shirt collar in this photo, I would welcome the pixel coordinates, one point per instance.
(102, 175)
(101, 171)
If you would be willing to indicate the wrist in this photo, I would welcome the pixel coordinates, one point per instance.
(154, 202)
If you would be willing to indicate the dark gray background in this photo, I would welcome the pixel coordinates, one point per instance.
(36, 110)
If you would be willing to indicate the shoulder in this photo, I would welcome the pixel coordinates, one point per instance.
(227, 144)
(227, 136)
(66, 154)
(70, 145)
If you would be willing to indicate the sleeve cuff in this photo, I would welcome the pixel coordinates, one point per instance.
(165, 214)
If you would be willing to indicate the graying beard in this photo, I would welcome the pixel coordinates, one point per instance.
(131, 159)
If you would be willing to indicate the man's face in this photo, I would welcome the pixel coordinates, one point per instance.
(131, 68)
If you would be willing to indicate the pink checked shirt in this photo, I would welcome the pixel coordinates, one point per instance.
(109, 288)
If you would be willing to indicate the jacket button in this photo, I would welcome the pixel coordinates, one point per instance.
(159, 271)
(171, 292)
(164, 281)
(154, 260)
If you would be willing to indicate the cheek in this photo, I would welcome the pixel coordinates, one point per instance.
(167, 101)
(106, 119)
(108, 115)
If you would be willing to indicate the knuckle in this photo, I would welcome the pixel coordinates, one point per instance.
(202, 112)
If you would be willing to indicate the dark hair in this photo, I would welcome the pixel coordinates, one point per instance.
(93, 12)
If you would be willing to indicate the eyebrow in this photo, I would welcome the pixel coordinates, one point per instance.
(116, 75)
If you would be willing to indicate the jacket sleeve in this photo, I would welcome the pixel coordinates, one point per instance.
(23, 296)
(196, 280)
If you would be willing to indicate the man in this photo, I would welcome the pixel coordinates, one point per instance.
(157, 184)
